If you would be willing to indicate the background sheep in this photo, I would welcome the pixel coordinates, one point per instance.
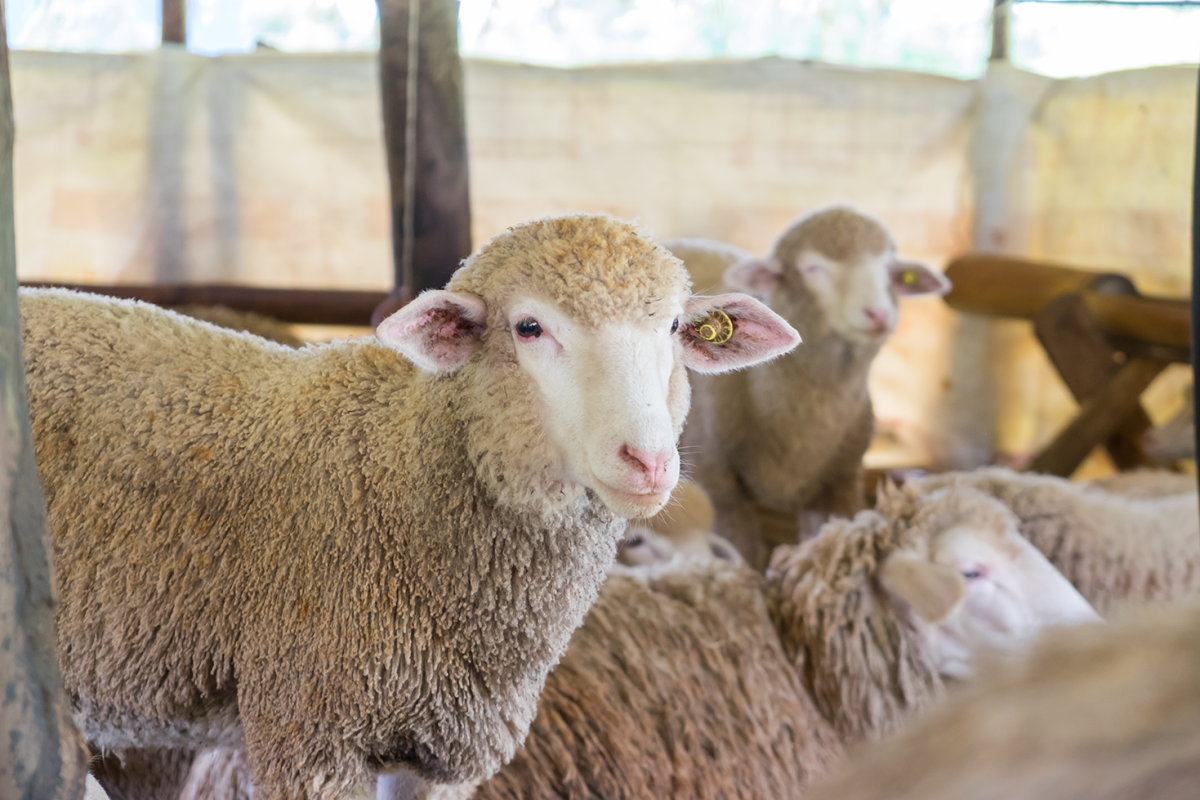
(1147, 483)
(789, 438)
(1175, 439)
(1100, 713)
(248, 321)
(682, 528)
(709, 682)
(1113, 548)
(349, 563)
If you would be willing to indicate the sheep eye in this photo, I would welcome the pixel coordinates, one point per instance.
(634, 541)
(675, 325)
(972, 574)
(812, 269)
(529, 329)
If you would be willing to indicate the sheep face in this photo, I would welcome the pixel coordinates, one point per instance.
(586, 328)
(981, 587)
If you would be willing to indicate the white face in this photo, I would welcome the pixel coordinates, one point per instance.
(612, 399)
(1012, 594)
(856, 297)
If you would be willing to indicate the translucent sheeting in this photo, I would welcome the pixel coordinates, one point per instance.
(269, 169)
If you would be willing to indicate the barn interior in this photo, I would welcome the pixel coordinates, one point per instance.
(304, 171)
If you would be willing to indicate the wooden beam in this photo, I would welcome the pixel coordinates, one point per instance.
(42, 753)
(307, 306)
(1100, 417)
(996, 286)
(441, 214)
(174, 21)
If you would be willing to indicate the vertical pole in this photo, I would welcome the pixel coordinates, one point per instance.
(174, 21)
(41, 752)
(439, 220)
(1001, 16)
(1196, 256)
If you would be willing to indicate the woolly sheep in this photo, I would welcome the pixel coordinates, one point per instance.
(1147, 483)
(1115, 549)
(1105, 713)
(349, 562)
(775, 443)
(709, 682)
(683, 528)
(247, 321)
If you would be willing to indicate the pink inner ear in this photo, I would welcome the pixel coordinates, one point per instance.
(910, 278)
(759, 334)
(438, 331)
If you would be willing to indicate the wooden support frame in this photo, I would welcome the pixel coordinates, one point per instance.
(441, 215)
(43, 755)
(173, 14)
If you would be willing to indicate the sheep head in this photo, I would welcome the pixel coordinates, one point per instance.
(578, 331)
(846, 262)
(878, 611)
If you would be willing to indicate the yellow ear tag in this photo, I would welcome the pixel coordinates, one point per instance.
(717, 327)
(908, 277)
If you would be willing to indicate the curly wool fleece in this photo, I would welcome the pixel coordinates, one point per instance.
(301, 549)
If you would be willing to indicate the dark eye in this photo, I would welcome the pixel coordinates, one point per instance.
(529, 329)
(675, 325)
(812, 269)
(634, 541)
(972, 574)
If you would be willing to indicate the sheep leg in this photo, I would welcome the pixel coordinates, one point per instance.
(151, 773)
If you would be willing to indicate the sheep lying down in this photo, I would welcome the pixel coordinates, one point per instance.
(367, 555)
(705, 680)
(1116, 548)
(1105, 713)
(683, 529)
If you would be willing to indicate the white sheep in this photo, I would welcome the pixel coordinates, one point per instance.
(701, 681)
(345, 562)
(1106, 712)
(1114, 548)
(1175, 439)
(683, 528)
(775, 443)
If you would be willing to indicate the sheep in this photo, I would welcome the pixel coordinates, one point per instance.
(1147, 483)
(710, 681)
(781, 448)
(1104, 713)
(1114, 549)
(364, 555)
(683, 528)
(248, 321)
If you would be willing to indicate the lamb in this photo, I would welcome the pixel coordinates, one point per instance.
(1103, 713)
(781, 447)
(365, 555)
(683, 528)
(1114, 549)
(711, 682)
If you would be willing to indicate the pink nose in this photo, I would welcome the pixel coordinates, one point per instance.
(877, 315)
(654, 465)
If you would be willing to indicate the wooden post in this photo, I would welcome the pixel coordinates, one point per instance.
(174, 21)
(1001, 16)
(441, 214)
(41, 752)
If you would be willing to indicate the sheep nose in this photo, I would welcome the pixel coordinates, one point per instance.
(654, 465)
(877, 315)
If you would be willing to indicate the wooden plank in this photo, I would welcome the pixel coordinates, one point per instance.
(1153, 320)
(174, 21)
(1100, 417)
(307, 306)
(1011, 287)
(441, 220)
(1087, 361)
(42, 754)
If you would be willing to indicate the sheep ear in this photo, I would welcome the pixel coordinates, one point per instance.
(438, 331)
(911, 278)
(754, 275)
(933, 591)
(730, 331)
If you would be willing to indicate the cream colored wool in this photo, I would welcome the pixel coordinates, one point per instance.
(345, 562)
(788, 437)
(1147, 483)
(248, 321)
(713, 682)
(1100, 713)
(1114, 549)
